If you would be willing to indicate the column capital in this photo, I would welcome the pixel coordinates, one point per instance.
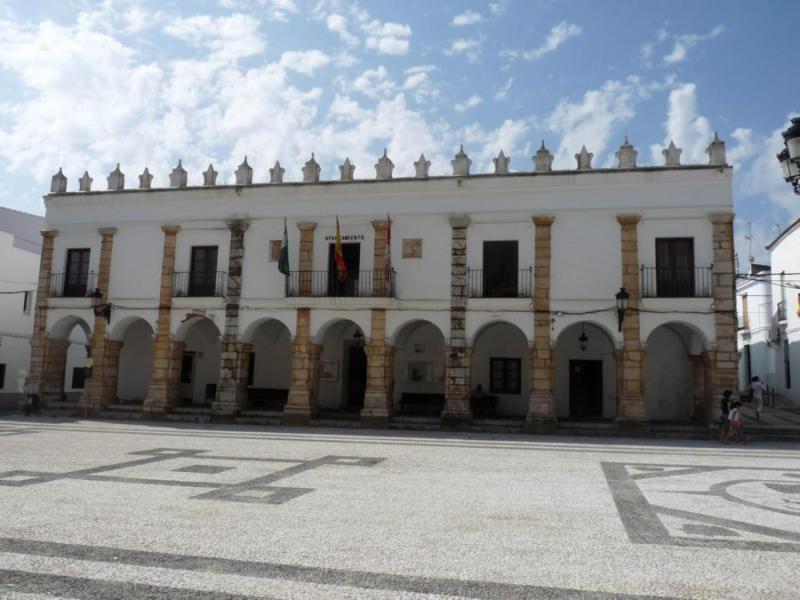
(238, 225)
(459, 221)
(380, 224)
(171, 229)
(307, 225)
(544, 220)
(107, 231)
(629, 219)
(49, 233)
(721, 218)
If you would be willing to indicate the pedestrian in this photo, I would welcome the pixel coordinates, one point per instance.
(735, 427)
(757, 390)
(725, 408)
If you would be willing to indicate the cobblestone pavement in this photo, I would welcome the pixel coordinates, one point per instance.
(92, 509)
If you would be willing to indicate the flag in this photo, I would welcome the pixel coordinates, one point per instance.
(338, 256)
(283, 261)
(387, 262)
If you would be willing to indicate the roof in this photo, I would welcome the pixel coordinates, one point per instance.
(25, 228)
(783, 235)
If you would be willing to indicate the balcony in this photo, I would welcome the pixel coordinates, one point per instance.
(499, 283)
(325, 284)
(676, 282)
(194, 284)
(71, 285)
(782, 310)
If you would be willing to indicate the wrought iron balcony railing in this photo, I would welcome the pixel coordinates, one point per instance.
(499, 283)
(71, 285)
(198, 284)
(677, 282)
(326, 284)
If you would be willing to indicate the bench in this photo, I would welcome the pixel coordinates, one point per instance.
(485, 406)
(267, 398)
(420, 403)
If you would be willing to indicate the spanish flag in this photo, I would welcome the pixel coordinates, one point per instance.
(338, 256)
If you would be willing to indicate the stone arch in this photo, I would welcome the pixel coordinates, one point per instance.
(67, 348)
(62, 328)
(673, 353)
(343, 365)
(418, 370)
(500, 364)
(585, 381)
(201, 344)
(135, 337)
(269, 342)
(333, 324)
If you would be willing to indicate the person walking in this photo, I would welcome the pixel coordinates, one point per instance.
(735, 427)
(725, 408)
(757, 389)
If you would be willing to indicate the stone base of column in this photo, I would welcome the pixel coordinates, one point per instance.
(296, 416)
(375, 418)
(156, 403)
(456, 419)
(91, 399)
(541, 425)
(228, 402)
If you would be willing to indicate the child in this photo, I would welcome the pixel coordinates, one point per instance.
(735, 429)
(725, 407)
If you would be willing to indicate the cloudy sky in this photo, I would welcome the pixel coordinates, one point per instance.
(84, 85)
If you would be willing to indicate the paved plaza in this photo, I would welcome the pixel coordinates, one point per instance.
(93, 509)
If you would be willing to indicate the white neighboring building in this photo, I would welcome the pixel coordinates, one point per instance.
(785, 311)
(20, 245)
(756, 326)
(507, 280)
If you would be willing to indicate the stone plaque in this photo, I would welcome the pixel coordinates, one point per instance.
(412, 248)
(274, 250)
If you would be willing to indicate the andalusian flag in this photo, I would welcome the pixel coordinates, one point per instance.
(283, 261)
(387, 264)
(338, 256)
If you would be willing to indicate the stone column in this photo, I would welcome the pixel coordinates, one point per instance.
(232, 388)
(302, 401)
(34, 384)
(379, 250)
(457, 411)
(541, 410)
(113, 349)
(631, 407)
(98, 391)
(380, 374)
(161, 391)
(306, 263)
(54, 370)
(175, 365)
(725, 357)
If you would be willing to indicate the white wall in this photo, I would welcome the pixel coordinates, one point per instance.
(203, 338)
(599, 347)
(135, 362)
(502, 340)
(136, 258)
(419, 342)
(272, 348)
(668, 376)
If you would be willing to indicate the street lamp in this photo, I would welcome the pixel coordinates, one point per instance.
(622, 297)
(359, 338)
(100, 309)
(583, 341)
(789, 157)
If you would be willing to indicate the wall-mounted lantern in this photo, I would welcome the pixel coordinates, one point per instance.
(622, 297)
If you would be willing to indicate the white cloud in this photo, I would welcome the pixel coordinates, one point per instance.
(419, 83)
(468, 17)
(275, 10)
(470, 102)
(683, 43)
(338, 24)
(502, 93)
(499, 7)
(305, 62)
(690, 132)
(511, 137)
(374, 83)
(228, 38)
(470, 47)
(556, 37)
(387, 38)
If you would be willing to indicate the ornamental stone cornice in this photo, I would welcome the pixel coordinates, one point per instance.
(459, 221)
(545, 220)
(307, 225)
(629, 219)
(170, 229)
(107, 231)
(721, 218)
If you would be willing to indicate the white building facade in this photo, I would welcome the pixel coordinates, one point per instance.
(757, 327)
(19, 247)
(507, 280)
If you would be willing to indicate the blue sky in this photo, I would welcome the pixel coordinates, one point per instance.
(84, 85)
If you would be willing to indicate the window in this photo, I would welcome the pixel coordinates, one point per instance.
(203, 271)
(2, 376)
(674, 267)
(500, 266)
(27, 301)
(78, 378)
(504, 375)
(76, 278)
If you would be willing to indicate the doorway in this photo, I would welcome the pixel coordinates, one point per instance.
(187, 377)
(352, 258)
(356, 377)
(500, 265)
(586, 389)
